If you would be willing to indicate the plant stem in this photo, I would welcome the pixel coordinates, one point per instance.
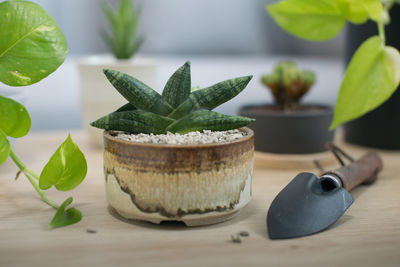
(381, 31)
(33, 178)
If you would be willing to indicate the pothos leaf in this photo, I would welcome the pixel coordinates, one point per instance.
(358, 11)
(65, 217)
(315, 20)
(66, 168)
(31, 44)
(4, 147)
(353, 10)
(14, 118)
(371, 78)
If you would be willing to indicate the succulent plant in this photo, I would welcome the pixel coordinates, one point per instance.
(288, 84)
(124, 40)
(177, 110)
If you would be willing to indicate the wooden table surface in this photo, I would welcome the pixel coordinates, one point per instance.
(368, 234)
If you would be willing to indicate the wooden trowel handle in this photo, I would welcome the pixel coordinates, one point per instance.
(363, 171)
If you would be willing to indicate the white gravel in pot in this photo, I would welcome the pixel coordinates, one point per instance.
(192, 138)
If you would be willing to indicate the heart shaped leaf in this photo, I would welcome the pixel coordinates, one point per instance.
(4, 147)
(14, 118)
(31, 44)
(371, 78)
(65, 217)
(358, 11)
(66, 168)
(315, 20)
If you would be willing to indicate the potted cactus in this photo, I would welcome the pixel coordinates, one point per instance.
(185, 163)
(124, 41)
(289, 127)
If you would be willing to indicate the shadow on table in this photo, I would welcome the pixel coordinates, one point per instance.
(244, 214)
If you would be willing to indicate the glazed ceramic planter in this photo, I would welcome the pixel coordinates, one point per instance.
(98, 94)
(297, 132)
(194, 184)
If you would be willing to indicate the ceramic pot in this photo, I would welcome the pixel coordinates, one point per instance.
(97, 92)
(193, 184)
(297, 132)
(379, 128)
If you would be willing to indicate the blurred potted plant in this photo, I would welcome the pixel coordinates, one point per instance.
(160, 164)
(289, 127)
(373, 73)
(124, 41)
(32, 46)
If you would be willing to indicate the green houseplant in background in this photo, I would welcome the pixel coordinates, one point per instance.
(194, 183)
(32, 46)
(289, 126)
(373, 73)
(123, 41)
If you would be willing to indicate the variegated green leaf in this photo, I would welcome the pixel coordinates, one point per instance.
(211, 97)
(208, 120)
(4, 147)
(178, 86)
(126, 107)
(65, 217)
(137, 93)
(135, 121)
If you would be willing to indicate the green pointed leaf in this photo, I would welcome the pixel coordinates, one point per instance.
(14, 118)
(371, 78)
(137, 93)
(208, 120)
(126, 107)
(135, 121)
(66, 168)
(374, 8)
(65, 217)
(178, 86)
(315, 20)
(353, 10)
(31, 44)
(358, 11)
(211, 97)
(4, 147)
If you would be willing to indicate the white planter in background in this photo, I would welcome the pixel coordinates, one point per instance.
(98, 95)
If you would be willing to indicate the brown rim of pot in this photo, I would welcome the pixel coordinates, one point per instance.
(249, 135)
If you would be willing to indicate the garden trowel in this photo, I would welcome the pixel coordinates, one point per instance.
(308, 205)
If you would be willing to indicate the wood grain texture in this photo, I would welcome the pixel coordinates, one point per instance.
(367, 235)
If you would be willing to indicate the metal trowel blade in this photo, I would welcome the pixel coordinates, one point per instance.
(305, 207)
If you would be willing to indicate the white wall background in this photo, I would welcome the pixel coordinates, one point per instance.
(222, 38)
(188, 27)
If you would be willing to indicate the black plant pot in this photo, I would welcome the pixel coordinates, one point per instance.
(379, 128)
(297, 132)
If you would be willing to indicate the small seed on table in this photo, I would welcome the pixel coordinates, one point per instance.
(236, 239)
(244, 233)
